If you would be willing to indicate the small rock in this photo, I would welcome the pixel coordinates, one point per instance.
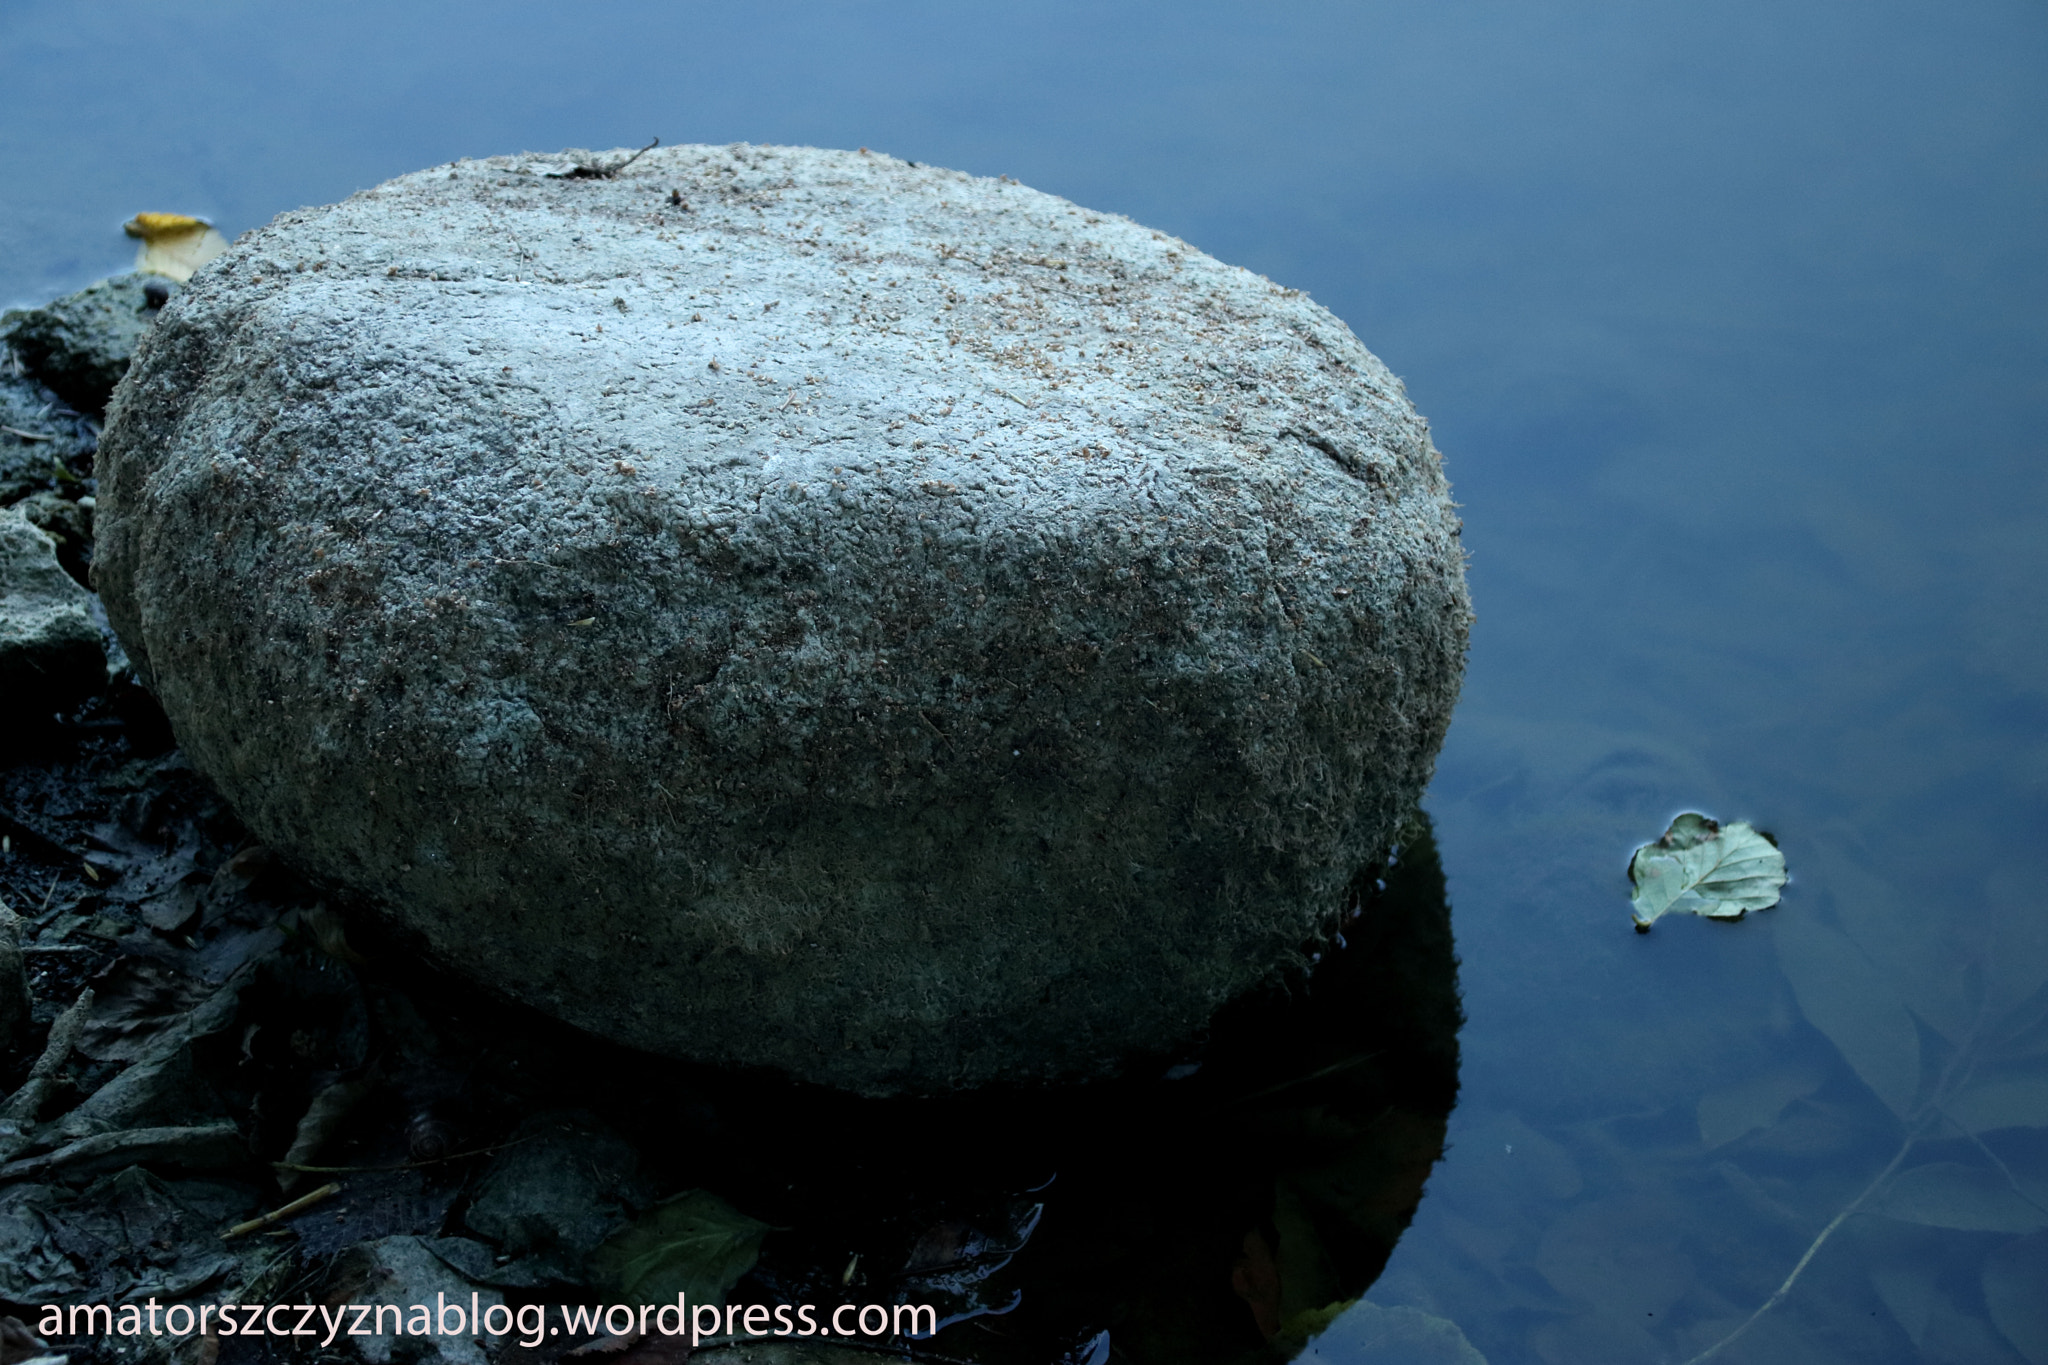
(67, 522)
(80, 345)
(405, 1272)
(38, 435)
(50, 652)
(18, 1345)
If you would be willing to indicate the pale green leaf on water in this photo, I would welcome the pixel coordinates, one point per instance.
(1702, 867)
(1854, 1004)
(2016, 1292)
(1752, 1103)
(694, 1244)
(1947, 1194)
(2012, 1101)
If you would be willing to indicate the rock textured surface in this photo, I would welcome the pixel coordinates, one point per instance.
(38, 434)
(791, 607)
(50, 651)
(81, 344)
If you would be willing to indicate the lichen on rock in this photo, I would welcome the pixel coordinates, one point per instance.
(789, 607)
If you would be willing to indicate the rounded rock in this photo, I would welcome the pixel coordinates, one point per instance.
(789, 607)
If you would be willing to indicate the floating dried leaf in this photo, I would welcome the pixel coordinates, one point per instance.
(1701, 867)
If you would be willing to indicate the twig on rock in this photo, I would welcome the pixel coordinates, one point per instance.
(595, 171)
(278, 1215)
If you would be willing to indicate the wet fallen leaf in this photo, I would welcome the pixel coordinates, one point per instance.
(944, 1244)
(957, 1267)
(132, 1228)
(322, 1119)
(135, 1002)
(694, 1244)
(1702, 867)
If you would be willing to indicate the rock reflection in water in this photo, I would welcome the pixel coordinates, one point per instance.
(1224, 1212)
(1222, 1208)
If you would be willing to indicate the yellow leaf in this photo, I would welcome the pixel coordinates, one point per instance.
(173, 244)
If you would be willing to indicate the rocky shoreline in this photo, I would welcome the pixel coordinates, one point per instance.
(218, 1089)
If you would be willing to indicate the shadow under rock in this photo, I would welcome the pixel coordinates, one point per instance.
(1215, 1207)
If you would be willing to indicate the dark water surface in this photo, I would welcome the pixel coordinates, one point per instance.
(1732, 319)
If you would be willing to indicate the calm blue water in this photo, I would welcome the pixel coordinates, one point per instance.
(1733, 321)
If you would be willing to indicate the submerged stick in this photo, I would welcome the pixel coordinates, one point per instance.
(1916, 1128)
(1818, 1242)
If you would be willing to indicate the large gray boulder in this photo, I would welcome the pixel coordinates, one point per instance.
(791, 607)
